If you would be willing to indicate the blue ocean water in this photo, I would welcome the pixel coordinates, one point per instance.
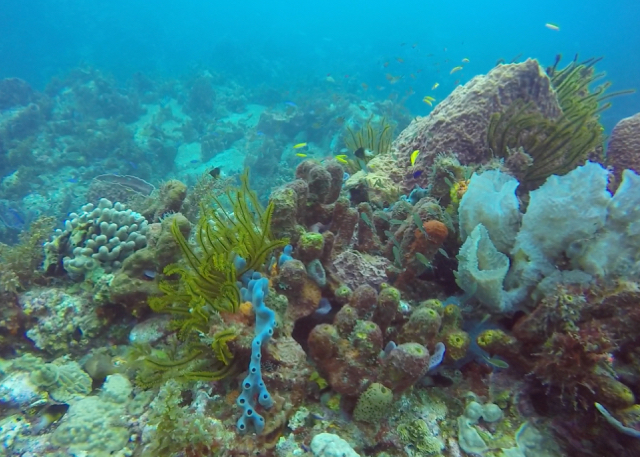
(295, 44)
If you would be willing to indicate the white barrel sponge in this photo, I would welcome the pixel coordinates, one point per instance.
(491, 200)
(482, 269)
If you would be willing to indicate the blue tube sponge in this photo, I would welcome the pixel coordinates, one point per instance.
(286, 255)
(253, 386)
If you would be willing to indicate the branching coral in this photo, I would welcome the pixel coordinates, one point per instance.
(237, 227)
(372, 138)
(535, 147)
(576, 363)
(200, 192)
(180, 429)
(538, 147)
(21, 262)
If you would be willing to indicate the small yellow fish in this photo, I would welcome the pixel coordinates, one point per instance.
(465, 60)
(414, 156)
(428, 100)
(301, 154)
(454, 69)
(435, 86)
(299, 145)
(551, 26)
(342, 158)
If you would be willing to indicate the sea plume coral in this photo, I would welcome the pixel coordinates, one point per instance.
(536, 147)
(233, 238)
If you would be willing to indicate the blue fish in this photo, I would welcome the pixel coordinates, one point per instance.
(260, 133)
(291, 104)
(324, 307)
(133, 165)
(416, 174)
(194, 161)
(73, 180)
(389, 347)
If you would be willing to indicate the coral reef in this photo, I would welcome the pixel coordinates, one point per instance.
(551, 229)
(21, 261)
(622, 149)
(139, 277)
(460, 122)
(344, 300)
(100, 237)
(60, 322)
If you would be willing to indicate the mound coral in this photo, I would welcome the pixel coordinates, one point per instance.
(100, 237)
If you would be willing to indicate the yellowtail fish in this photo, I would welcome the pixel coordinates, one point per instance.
(454, 69)
(465, 60)
(428, 100)
(342, 158)
(301, 154)
(551, 26)
(435, 86)
(299, 145)
(414, 156)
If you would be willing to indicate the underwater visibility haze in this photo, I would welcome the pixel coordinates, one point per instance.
(321, 229)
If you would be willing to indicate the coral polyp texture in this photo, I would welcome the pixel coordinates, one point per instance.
(97, 237)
